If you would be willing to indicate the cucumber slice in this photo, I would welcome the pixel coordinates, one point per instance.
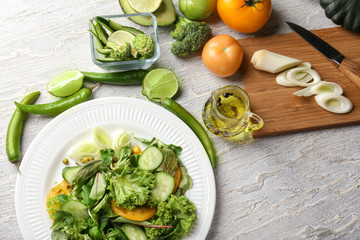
(75, 208)
(151, 158)
(68, 173)
(134, 232)
(164, 186)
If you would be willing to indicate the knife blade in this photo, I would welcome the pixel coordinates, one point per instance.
(350, 69)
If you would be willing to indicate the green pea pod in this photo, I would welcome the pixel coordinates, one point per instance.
(13, 136)
(60, 106)
(184, 115)
(117, 78)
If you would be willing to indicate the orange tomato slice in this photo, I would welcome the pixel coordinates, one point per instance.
(61, 188)
(177, 178)
(136, 214)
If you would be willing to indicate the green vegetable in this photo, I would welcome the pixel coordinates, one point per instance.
(164, 186)
(197, 9)
(134, 232)
(59, 106)
(86, 172)
(150, 158)
(190, 36)
(184, 115)
(99, 187)
(15, 127)
(343, 12)
(179, 212)
(170, 163)
(144, 45)
(76, 208)
(131, 186)
(165, 15)
(119, 52)
(68, 173)
(117, 78)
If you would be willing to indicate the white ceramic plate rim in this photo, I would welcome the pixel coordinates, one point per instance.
(41, 161)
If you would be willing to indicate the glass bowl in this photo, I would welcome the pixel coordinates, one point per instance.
(120, 66)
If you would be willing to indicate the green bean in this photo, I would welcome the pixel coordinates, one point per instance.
(13, 136)
(117, 78)
(60, 106)
(184, 115)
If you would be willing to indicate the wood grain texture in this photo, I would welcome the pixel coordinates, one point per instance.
(285, 113)
(351, 70)
(295, 186)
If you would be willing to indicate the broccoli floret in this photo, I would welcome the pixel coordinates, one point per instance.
(190, 36)
(178, 212)
(119, 51)
(131, 187)
(144, 45)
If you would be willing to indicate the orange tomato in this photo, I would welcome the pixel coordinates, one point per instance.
(222, 55)
(136, 214)
(177, 178)
(245, 16)
(61, 188)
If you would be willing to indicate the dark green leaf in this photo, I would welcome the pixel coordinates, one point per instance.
(107, 155)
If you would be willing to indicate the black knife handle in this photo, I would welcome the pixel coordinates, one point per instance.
(351, 70)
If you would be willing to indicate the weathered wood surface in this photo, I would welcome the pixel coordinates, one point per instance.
(297, 186)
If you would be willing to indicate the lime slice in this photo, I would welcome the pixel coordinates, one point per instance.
(66, 84)
(145, 5)
(160, 83)
(121, 37)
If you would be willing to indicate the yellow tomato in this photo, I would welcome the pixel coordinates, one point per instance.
(222, 55)
(245, 16)
(136, 214)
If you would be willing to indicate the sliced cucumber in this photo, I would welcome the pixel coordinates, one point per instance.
(134, 232)
(75, 208)
(68, 173)
(151, 158)
(164, 186)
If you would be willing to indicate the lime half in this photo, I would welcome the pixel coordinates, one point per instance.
(121, 37)
(145, 5)
(160, 83)
(66, 84)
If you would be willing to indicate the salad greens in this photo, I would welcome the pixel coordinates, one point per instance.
(112, 197)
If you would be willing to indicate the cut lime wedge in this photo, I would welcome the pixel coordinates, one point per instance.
(121, 37)
(160, 83)
(66, 84)
(145, 5)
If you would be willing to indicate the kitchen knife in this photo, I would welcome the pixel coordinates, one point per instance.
(350, 69)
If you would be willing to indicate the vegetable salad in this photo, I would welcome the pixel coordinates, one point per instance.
(118, 191)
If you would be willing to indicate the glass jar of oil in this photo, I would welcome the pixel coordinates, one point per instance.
(227, 112)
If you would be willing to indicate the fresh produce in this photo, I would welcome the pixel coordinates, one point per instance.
(112, 198)
(160, 83)
(190, 36)
(318, 88)
(272, 62)
(59, 106)
(245, 16)
(343, 12)
(334, 102)
(145, 5)
(15, 127)
(165, 14)
(120, 45)
(184, 115)
(117, 78)
(302, 76)
(66, 84)
(222, 55)
(197, 9)
(282, 80)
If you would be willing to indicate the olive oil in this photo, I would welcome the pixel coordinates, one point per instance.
(225, 113)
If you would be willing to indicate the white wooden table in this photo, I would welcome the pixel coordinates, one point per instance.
(298, 186)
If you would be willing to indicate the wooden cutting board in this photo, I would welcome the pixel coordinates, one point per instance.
(283, 112)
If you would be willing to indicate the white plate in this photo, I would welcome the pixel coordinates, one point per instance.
(42, 163)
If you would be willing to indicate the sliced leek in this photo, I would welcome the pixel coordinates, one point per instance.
(272, 62)
(84, 149)
(334, 102)
(123, 139)
(282, 80)
(292, 73)
(320, 87)
(102, 138)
